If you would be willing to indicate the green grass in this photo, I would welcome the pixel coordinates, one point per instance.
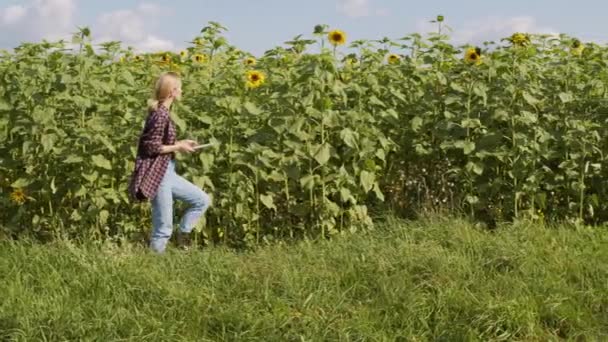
(439, 280)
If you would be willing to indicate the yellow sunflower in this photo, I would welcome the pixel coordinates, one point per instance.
(198, 41)
(138, 58)
(255, 79)
(18, 196)
(199, 58)
(165, 58)
(473, 55)
(393, 58)
(183, 53)
(337, 37)
(250, 61)
(577, 48)
(520, 39)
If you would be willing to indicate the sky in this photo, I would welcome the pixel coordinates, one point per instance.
(256, 26)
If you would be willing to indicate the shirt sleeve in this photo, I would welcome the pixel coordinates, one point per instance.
(152, 137)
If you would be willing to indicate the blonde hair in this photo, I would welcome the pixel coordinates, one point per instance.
(162, 89)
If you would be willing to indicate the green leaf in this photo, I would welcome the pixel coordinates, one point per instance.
(126, 75)
(252, 108)
(457, 87)
(5, 105)
(307, 182)
(22, 183)
(103, 216)
(73, 159)
(102, 162)
(476, 168)
(349, 138)
(466, 146)
(367, 180)
(417, 123)
(53, 187)
(322, 154)
(377, 191)
(530, 99)
(566, 97)
(346, 196)
(268, 201)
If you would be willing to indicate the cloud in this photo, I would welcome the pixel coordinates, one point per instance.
(133, 27)
(55, 19)
(354, 8)
(38, 19)
(12, 15)
(490, 29)
(494, 28)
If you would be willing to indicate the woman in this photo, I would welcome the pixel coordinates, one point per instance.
(154, 176)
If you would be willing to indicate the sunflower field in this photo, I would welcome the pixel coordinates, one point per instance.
(308, 143)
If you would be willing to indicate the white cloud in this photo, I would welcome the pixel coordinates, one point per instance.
(354, 8)
(490, 29)
(38, 19)
(55, 19)
(12, 15)
(133, 27)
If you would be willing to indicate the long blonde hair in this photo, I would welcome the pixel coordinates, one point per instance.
(162, 89)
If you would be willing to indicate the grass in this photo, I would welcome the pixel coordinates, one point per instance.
(439, 280)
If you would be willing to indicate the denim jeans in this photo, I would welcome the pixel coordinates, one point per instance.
(174, 186)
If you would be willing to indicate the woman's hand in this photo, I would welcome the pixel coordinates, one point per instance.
(186, 145)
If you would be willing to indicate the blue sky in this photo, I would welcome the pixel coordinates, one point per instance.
(256, 26)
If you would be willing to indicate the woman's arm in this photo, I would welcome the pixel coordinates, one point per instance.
(152, 138)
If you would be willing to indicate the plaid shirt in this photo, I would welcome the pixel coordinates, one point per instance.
(150, 165)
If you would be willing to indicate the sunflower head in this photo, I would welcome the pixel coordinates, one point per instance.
(336, 37)
(519, 39)
(199, 58)
(393, 58)
(255, 78)
(183, 53)
(473, 55)
(440, 18)
(18, 196)
(577, 48)
(138, 58)
(198, 41)
(165, 58)
(249, 61)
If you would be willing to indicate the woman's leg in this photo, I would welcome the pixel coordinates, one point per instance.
(198, 200)
(162, 214)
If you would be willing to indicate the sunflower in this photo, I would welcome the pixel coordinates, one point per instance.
(18, 196)
(577, 48)
(337, 37)
(255, 79)
(165, 58)
(199, 58)
(183, 53)
(473, 55)
(249, 61)
(519, 39)
(393, 58)
(138, 58)
(198, 41)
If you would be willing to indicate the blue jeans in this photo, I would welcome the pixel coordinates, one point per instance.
(175, 186)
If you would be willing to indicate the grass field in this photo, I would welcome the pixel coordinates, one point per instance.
(435, 279)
